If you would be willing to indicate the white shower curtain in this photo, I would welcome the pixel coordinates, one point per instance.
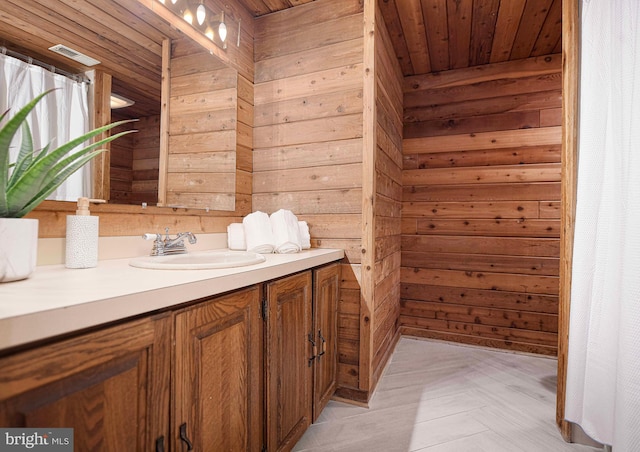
(58, 118)
(603, 372)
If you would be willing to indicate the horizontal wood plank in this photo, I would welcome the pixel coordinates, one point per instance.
(479, 297)
(311, 131)
(473, 210)
(307, 61)
(484, 331)
(509, 156)
(515, 246)
(326, 81)
(507, 70)
(500, 227)
(309, 107)
(532, 265)
(482, 316)
(540, 172)
(487, 192)
(306, 155)
(506, 344)
(486, 140)
(515, 282)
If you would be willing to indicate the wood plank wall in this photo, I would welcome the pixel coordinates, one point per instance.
(121, 166)
(203, 108)
(388, 198)
(134, 162)
(481, 199)
(308, 138)
(146, 160)
(244, 147)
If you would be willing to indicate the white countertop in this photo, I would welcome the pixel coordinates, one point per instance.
(55, 300)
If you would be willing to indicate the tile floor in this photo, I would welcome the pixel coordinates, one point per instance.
(441, 397)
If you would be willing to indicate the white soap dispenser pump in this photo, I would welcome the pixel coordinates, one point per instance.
(81, 249)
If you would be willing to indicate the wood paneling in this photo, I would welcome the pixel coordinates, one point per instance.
(308, 104)
(203, 105)
(146, 161)
(121, 168)
(481, 190)
(387, 205)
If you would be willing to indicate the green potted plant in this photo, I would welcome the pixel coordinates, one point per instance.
(29, 180)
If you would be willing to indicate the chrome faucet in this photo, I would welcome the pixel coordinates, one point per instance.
(168, 245)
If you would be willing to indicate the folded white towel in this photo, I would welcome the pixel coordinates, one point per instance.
(286, 232)
(305, 236)
(257, 233)
(235, 237)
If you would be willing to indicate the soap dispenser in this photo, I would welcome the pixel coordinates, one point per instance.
(82, 237)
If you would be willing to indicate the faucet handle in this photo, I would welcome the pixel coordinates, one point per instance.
(192, 237)
(149, 236)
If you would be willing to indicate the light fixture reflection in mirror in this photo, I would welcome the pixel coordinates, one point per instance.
(118, 101)
(201, 14)
(196, 14)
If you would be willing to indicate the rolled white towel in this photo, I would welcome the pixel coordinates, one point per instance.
(305, 236)
(235, 237)
(286, 232)
(257, 233)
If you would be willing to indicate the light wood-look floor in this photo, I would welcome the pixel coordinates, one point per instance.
(437, 397)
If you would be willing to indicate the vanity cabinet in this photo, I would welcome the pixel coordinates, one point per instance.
(244, 371)
(217, 384)
(289, 360)
(326, 290)
(300, 353)
(111, 386)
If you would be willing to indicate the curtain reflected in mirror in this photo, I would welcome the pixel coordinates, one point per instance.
(58, 118)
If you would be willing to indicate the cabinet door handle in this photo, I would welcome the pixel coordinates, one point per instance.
(184, 437)
(314, 349)
(160, 444)
(323, 347)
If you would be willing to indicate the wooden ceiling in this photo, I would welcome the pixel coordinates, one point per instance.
(428, 35)
(439, 35)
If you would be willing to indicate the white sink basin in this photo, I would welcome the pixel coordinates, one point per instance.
(198, 261)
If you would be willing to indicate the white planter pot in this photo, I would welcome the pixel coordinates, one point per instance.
(18, 248)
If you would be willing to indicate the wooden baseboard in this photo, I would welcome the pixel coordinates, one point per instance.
(352, 395)
(476, 340)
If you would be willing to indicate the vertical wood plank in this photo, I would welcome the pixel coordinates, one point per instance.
(459, 14)
(368, 195)
(570, 102)
(101, 117)
(164, 122)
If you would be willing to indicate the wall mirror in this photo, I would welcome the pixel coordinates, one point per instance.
(133, 45)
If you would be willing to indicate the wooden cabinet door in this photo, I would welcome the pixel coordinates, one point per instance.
(218, 404)
(326, 289)
(111, 386)
(288, 360)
